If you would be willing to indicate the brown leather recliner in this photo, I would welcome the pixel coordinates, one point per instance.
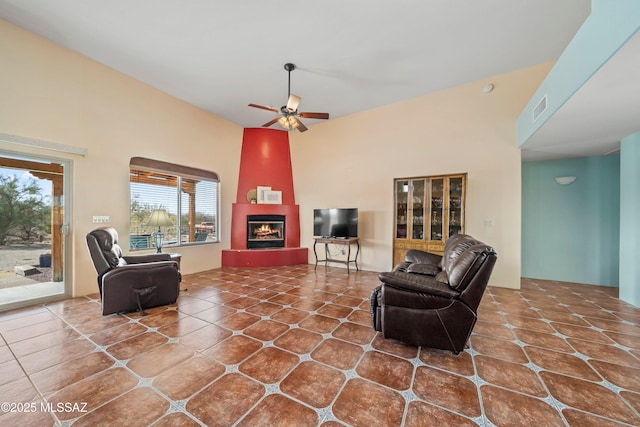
(129, 283)
(431, 300)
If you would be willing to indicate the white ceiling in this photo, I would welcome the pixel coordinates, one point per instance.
(351, 55)
(602, 112)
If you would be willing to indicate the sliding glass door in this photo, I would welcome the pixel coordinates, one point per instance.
(32, 229)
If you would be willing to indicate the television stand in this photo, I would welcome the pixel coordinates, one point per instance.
(345, 241)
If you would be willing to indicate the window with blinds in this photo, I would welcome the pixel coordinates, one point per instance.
(188, 196)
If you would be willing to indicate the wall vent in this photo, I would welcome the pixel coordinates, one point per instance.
(540, 108)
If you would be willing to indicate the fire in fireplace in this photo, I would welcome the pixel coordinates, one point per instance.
(265, 231)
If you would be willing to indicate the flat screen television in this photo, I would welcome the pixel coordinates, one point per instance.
(340, 223)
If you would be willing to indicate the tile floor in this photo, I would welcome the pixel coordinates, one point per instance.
(291, 346)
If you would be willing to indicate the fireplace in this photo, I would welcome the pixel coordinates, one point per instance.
(265, 231)
(265, 160)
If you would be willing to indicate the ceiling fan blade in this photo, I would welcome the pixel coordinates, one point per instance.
(263, 108)
(301, 127)
(293, 102)
(323, 116)
(266, 125)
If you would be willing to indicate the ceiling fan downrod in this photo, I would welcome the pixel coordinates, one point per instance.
(289, 67)
(292, 100)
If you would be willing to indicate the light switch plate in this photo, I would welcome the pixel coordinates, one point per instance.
(100, 219)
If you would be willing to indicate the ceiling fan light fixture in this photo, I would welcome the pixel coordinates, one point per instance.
(288, 122)
(293, 123)
(292, 103)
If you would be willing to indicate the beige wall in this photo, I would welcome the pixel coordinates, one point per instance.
(52, 94)
(352, 161)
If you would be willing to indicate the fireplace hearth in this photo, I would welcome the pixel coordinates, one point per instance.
(265, 231)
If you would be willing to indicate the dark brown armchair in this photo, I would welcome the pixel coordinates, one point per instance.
(129, 283)
(431, 300)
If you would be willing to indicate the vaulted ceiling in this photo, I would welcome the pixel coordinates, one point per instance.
(351, 55)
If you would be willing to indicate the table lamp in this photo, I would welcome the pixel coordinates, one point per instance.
(159, 218)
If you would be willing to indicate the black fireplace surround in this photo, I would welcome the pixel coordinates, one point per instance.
(265, 231)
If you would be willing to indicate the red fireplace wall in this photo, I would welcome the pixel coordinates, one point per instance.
(265, 161)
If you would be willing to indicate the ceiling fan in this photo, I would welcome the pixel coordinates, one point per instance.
(290, 114)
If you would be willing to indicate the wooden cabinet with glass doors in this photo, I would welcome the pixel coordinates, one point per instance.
(428, 210)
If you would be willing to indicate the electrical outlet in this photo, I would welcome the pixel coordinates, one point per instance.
(100, 219)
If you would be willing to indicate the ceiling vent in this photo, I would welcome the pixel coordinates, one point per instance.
(540, 108)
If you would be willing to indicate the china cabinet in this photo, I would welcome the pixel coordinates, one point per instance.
(428, 210)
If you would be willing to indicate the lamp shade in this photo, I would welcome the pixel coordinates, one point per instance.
(159, 218)
(292, 103)
(288, 122)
